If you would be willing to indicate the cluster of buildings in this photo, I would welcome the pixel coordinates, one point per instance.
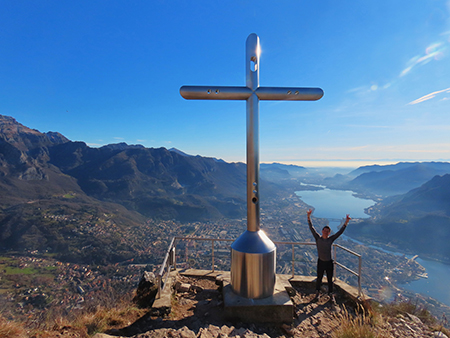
(66, 285)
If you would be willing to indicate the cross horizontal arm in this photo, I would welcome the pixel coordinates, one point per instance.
(215, 93)
(243, 93)
(289, 93)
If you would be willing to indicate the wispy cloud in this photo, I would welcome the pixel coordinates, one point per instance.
(370, 126)
(431, 96)
(436, 51)
(368, 88)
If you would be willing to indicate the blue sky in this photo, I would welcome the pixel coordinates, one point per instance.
(110, 71)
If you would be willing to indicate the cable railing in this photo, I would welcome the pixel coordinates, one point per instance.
(170, 260)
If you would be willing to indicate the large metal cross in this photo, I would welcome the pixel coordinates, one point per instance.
(253, 253)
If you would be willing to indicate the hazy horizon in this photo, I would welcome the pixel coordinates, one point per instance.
(350, 163)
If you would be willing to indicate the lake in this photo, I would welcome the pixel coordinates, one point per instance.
(335, 204)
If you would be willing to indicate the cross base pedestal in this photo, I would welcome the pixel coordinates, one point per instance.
(253, 264)
(278, 308)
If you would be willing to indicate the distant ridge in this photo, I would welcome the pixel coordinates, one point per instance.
(278, 171)
(438, 166)
(417, 222)
(179, 152)
(122, 146)
(281, 165)
(389, 180)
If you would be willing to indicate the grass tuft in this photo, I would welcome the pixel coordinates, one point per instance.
(399, 308)
(102, 318)
(11, 329)
(360, 325)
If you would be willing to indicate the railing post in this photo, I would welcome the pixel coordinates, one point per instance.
(174, 254)
(172, 257)
(359, 276)
(212, 253)
(334, 263)
(159, 287)
(293, 261)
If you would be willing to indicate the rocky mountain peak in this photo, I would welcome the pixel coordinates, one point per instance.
(56, 137)
(24, 138)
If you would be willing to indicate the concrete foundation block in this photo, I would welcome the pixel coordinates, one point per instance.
(277, 308)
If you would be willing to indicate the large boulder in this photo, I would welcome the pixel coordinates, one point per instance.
(146, 291)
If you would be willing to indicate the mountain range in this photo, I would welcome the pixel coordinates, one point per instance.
(417, 222)
(154, 182)
(413, 214)
(388, 180)
(44, 177)
(80, 202)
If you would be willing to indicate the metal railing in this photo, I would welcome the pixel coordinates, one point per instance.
(168, 263)
(357, 274)
(170, 259)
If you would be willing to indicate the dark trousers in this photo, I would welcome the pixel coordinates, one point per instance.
(324, 266)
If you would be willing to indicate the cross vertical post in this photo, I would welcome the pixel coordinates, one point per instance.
(252, 81)
(253, 254)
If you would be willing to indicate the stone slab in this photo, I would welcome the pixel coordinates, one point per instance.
(340, 285)
(163, 305)
(204, 273)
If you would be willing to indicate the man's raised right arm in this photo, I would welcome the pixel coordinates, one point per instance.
(313, 230)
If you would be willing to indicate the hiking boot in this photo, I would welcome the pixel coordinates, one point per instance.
(316, 296)
(332, 299)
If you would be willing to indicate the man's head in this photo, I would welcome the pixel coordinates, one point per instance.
(326, 231)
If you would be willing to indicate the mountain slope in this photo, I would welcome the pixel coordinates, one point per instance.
(41, 208)
(388, 180)
(81, 203)
(155, 182)
(435, 166)
(25, 173)
(418, 221)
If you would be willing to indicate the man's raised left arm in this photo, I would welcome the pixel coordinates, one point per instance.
(343, 227)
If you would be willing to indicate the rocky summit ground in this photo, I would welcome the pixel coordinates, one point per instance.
(197, 311)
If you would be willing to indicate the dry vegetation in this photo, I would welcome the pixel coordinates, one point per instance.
(99, 315)
(374, 321)
(112, 310)
(359, 326)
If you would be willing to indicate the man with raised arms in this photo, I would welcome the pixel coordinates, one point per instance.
(325, 261)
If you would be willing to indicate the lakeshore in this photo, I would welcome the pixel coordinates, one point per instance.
(334, 204)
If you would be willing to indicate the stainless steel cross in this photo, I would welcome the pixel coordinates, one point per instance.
(252, 93)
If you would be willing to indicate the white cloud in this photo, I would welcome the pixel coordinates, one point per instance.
(370, 126)
(435, 51)
(430, 96)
